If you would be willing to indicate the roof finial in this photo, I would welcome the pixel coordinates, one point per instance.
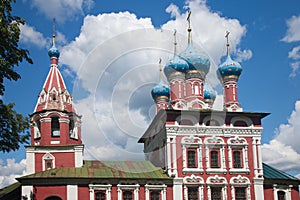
(189, 28)
(160, 69)
(53, 32)
(175, 43)
(227, 42)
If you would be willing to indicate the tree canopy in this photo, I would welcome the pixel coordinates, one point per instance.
(13, 125)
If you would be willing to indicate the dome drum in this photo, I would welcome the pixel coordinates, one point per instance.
(195, 74)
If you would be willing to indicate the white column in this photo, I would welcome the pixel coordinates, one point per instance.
(30, 160)
(201, 195)
(254, 157)
(147, 193)
(223, 160)
(78, 156)
(248, 193)
(207, 159)
(230, 157)
(232, 193)
(174, 156)
(119, 194)
(164, 193)
(184, 157)
(199, 149)
(259, 159)
(177, 189)
(92, 194)
(72, 192)
(185, 192)
(26, 191)
(259, 188)
(169, 156)
(246, 158)
(208, 193)
(224, 192)
(136, 192)
(275, 191)
(289, 194)
(108, 193)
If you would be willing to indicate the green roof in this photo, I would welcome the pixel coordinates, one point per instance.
(104, 170)
(272, 173)
(11, 192)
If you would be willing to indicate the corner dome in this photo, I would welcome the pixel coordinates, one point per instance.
(53, 52)
(176, 64)
(160, 90)
(229, 68)
(208, 94)
(196, 59)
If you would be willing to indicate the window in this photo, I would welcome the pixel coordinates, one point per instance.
(212, 122)
(281, 195)
(100, 196)
(191, 159)
(193, 193)
(155, 195)
(240, 193)
(48, 164)
(240, 123)
(216, 193)
(55, 130)
(237, 161)
(53, 198)
(214, 159)
(127, 195)
(71, 126)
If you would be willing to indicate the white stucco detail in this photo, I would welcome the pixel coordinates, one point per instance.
(27, 191)
(78, 156)
(72, 192)
(30, 161)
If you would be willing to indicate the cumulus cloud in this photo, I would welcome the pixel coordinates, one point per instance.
(63, 10)
(284, 151)
(30, 36)
(10, 170)
(293, 31)
(115, 60)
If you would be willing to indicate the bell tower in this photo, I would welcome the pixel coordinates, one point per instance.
(55, 126)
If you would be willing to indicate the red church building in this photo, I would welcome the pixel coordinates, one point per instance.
(192, 152)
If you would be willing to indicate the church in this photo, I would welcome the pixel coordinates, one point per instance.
(192, 152)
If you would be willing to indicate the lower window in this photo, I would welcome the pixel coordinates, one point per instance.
(155, 195)
(240, 193)
(193, 193)
(216, 193)
(127, 195)
(100, 196)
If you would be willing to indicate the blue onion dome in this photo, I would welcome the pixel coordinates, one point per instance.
(53, 52)
(176, 64)
(161, 90)
(208, 94)
(197, 60)
(229, 69)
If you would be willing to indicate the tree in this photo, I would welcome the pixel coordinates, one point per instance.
(13, 125)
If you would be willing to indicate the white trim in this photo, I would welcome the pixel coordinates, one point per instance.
(284, 188)
(177, 188)
(27, 191)
(240, 181)
(239, 143)
(30, 162)
(216, 181)
(135, 189)
(106, 188)
(161, 188)
(48, 156)
(191, 142)
(78, 156)
(215, 143)
(54, 142)
(72, 192)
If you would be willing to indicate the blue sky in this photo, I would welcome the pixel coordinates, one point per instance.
(109, 55)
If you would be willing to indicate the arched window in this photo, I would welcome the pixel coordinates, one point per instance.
(214, 159)
(193, 193)
(212, 122)
(55, 128)
(240, 123)
(100, 196)
(191, 154)
(155, 195)
(240, 193)
(281, 195)
(53, 198)
(237, 161)
(127, 195)
(196, 89)
(216, 193)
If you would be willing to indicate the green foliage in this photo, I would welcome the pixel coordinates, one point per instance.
(13, 125)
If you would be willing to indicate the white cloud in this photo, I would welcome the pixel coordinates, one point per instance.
(293, 32)
(10, 171)
(295, 68)
(173, 10)
(284, 151)
(62, 10)
(30, 36)
(115, 60)
(295, 53)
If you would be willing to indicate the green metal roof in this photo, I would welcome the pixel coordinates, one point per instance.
(11, 192)
(105, 169)
(272, 173)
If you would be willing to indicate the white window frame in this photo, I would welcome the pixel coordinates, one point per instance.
(161, 188)
(238, 143)
(48, 156)
(195, 143)
(215, 143)
(122, 188)
(99, 187)
(193, 181)
(283, 188)
(240, 181)
(216, 181)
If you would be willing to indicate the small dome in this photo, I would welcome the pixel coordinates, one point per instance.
(53, 52)
(229, 68)
(208, 94)
(160, 90)
(176, 64)
(196, 59)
